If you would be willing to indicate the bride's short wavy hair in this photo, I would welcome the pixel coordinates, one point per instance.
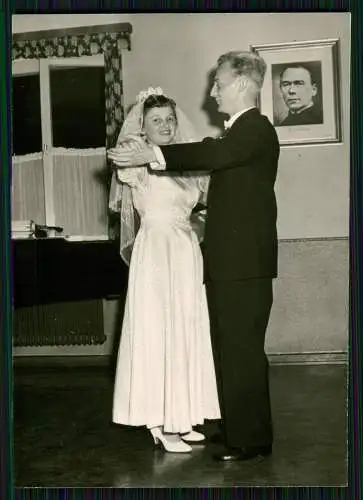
(246, 63)
(158, 101)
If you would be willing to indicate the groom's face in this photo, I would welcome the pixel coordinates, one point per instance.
(225, 89)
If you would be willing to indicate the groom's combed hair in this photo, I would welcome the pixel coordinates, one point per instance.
(158, 101)
(246, 63)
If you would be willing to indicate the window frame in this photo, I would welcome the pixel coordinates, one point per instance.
(23, 67)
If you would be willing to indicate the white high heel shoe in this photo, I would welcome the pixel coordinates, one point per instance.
(193, 437)
(170, 446)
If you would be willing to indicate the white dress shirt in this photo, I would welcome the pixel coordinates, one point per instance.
(160, 164)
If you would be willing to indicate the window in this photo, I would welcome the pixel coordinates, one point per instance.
(78, 107)
(26, 126)
(59, 124)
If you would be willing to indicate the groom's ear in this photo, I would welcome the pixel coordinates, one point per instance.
(243, 83)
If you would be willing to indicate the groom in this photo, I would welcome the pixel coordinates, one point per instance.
(240, 246)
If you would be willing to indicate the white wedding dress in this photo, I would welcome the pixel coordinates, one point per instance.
(165, 373)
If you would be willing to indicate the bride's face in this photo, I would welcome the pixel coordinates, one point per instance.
(160, 125)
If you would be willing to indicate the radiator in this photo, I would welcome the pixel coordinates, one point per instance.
(67, 324)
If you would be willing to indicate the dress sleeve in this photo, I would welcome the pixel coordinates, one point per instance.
(134, 177)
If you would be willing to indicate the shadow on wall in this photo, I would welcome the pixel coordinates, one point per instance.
(210, 106)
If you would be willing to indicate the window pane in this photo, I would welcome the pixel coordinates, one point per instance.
(27, 129)
(78, 107)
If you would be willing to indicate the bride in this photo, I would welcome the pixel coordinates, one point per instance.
(165, 376)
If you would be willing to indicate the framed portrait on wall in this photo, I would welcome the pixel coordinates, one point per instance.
(301, 94)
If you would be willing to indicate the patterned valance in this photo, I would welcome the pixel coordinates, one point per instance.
(68, 45)
(87, 44)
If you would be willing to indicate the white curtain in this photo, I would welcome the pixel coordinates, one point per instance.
(80, 191)
(27, 188)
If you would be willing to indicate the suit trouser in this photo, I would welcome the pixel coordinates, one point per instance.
(239, 313)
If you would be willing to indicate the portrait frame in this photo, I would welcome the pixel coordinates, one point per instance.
(320, 58)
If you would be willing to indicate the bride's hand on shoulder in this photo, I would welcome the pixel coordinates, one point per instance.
(133, 151)
(134, 143)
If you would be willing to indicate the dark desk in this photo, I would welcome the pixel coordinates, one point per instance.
(49, 271)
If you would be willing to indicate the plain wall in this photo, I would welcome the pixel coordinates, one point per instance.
(176, 52)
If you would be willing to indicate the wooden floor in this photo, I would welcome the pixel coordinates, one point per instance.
(63, 435)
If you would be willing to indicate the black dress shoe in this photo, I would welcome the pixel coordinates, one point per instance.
(231, 454)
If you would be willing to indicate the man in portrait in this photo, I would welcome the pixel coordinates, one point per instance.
(299, 89)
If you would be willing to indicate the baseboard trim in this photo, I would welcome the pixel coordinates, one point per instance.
(313, 239)
(65, 351)
(310, 358)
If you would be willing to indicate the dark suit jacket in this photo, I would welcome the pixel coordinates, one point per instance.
(240, 239)
(311, 116)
